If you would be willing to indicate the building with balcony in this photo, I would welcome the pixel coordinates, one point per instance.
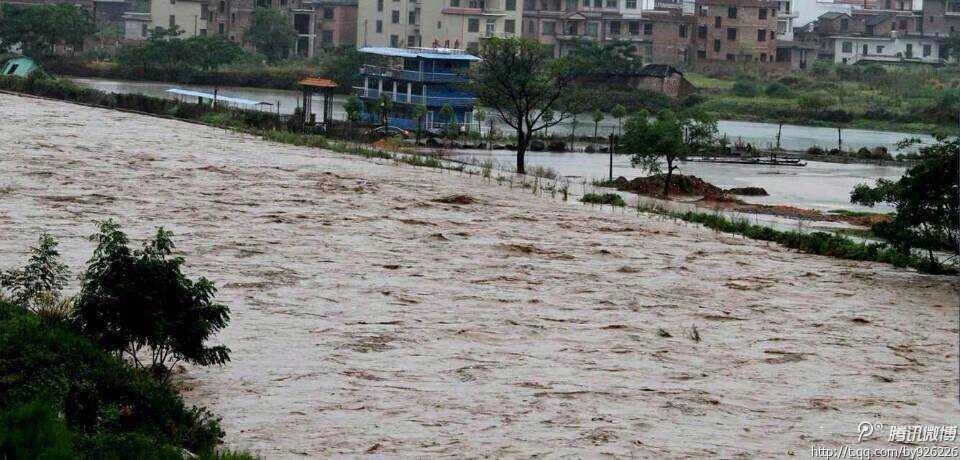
(453, 24)
(432, 77)
(560, 24)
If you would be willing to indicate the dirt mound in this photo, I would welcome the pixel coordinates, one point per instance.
(748, 191)
(456, 199)
(679, 185)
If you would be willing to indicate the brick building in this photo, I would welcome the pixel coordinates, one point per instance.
(319, 23)
(736, 30)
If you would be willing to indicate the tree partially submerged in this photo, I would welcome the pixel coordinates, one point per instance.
(138, 303)
(926, 201)
(648, 141)
(517, 79)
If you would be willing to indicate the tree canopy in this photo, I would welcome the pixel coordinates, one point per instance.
(926, 201)
(39, 28)
(134, 301)
(271, 34)
(648, 141)
(165, 52)
(518, 80)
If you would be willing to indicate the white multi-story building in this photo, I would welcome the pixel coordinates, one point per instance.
(459, 24)
(894, 48)
(190, 16)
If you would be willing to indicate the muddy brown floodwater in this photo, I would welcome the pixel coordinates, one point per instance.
(369, 318)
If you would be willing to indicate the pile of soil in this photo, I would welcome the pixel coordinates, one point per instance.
(680, 184)
(748, 191)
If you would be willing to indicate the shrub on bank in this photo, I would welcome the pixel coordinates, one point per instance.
(612, 199)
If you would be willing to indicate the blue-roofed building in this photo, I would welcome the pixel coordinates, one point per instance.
(432, 77)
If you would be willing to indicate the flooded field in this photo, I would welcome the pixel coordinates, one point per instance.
(823, 186)
(371, 317)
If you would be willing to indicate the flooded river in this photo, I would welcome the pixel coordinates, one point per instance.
(819, 185)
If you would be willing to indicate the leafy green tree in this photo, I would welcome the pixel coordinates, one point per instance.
(138, 302)
(517, 78)
(353, 106)
(384, 107)
(926, 201)
(619, 112)
(39, 28)
(342, 65)
(648, 142)
(271, 33)
(699, 131)
(162, 53)
(450, 118)
(597, 118)
(41, 280)
(952, 43)
(419, 112)
(480, 116)
(614, 58)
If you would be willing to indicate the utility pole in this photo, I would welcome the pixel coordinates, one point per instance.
(611, 148)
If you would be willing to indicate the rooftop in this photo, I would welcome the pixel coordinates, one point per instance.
(423, 53)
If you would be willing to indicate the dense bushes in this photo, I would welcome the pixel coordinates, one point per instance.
(64, 395)
(107, 407)
(612, 199)
(40, 85)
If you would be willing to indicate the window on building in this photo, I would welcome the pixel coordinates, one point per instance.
(614, 27)
(927, 49)
(509, 26)
(648, 28)
(846, 47)
(717, 22)
(763, 57)
(762, 13)
(879, 49)
(379, 26)
(716, 45)
(173, 21)
(223, 6)
(473, 25)
(412, 17)
(326, 38)
(394, 41)
(731, 57)
(630, 4)
(511, 5)
(702, 32)
(411, 41)
(634, 28)
(909, 50)
(761, 35)
(395, 17)
(731, 33)
(732, 12)
(327, 12)
(379, 5)
(682, 31)
(701, 54)
(549, 28)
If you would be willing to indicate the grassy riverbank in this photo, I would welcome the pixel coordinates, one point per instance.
(909, 99)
